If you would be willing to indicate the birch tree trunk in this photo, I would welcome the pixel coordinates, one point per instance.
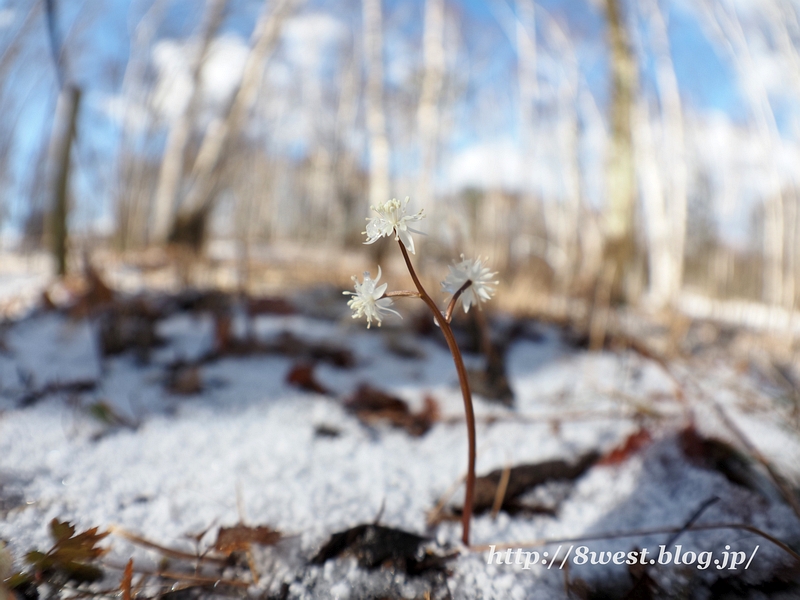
(172, 163)
(132, 193)
(727, 27)
(568, 209)
(376, 117)
(667, 278)
(428, 110)
(657, 224)
(527, 83)
(784, 23)
(222, 129)
(346, 170)
(621, 192)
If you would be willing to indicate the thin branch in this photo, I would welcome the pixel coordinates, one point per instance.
(183, 577)
(137, 539)
(635, 590)
(500, 494)
(401, 294)
(433, 517)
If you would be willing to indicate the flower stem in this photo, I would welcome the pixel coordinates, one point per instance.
(444, 325)
(451, 307)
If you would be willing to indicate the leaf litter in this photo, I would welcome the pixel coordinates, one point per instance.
(187, 462)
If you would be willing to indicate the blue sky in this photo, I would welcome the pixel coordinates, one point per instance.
(98, 40)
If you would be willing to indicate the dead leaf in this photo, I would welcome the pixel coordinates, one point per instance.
(291, 345)
(302, 376)
(71, 556)
(372, 405)
(523, 478)
(125, 583)
(239, 538)
(633, 444)
(378, 546)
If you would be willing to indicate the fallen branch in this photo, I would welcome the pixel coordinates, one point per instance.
(182, 577)
(171, 552)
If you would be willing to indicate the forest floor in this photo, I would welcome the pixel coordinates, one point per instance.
(224, 441)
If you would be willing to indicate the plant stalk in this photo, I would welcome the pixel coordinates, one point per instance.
(444, 325)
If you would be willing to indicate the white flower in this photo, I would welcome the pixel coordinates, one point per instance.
(366, 300)
(392, 219)
(480, 290)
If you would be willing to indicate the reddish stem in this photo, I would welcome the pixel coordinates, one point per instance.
(451, 307)
(444, 325)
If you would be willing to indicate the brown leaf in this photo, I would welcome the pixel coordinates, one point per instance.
(633, 444)
(125, 583)
(526, 477)
(291, 345)
(71, 556)
(302, 376)
(372, 405)
(239, 537)
(429, 414)
(370, 401)
(375, 546)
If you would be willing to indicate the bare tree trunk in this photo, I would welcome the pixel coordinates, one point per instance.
(675, 154)
(784, 23)
(264, 39)
(376, 118)
(567, 210)
(662, 170)
(619, 252)
(528, 86)
(657, 223)
(428, 109)
(60, 149)
(131, 192)
(346, 172)
(172, 163)
(727, 27)
(790, 274)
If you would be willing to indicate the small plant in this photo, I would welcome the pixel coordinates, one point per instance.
(468, 283)
(71, 560)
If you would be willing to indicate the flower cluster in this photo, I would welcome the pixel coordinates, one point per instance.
(481, 282)
(469, 280)
(392, 219)
(368, 301)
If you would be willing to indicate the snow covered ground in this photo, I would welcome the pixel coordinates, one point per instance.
(250, 446)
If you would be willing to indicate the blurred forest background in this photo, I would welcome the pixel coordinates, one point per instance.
(642, 150)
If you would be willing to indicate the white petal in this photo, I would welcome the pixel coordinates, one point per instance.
(407, 240)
